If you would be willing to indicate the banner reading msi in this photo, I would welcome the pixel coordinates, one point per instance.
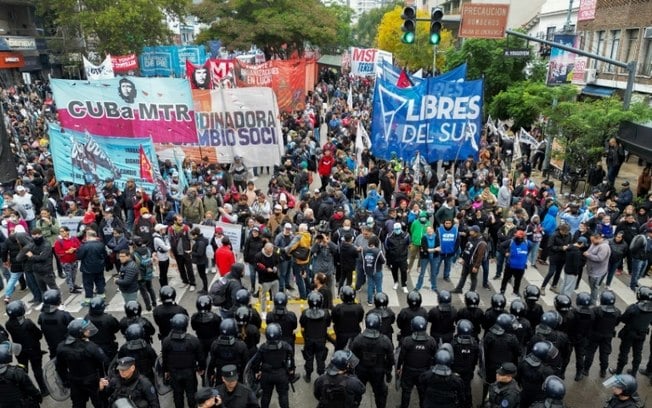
(160, 108)
(242, 122)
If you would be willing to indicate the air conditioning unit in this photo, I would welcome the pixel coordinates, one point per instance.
(647, 33)
(590, 76)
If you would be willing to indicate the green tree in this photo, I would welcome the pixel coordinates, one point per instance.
(278, 27)
(344, 30)
(419, 54)
(116, 26)
(366, 28)
(525, 101)
(486, 60)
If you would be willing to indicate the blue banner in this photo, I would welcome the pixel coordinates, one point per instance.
(78, 156)
(391, 73)
(441, 120)
(162, 61)
(196, 54)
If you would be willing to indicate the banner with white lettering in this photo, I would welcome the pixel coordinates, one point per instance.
(102, 71)
(241, 121)
(160, 108)
(363, 61)
(439, 119)
(124, 63)
(71, 222)
(232, 231)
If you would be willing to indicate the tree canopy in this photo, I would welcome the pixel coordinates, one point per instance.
(366, 28)
(116, 26)
(412, 56)
(277, 27)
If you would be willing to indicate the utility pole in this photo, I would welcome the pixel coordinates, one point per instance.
(567, 25)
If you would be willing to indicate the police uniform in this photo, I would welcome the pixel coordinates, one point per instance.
(376, 355)
(404, 320)
(162, 315)
(531, 375)
(144, 322)
(53, 323)
(275, 361)
(226, 350)
(414, 359)
(24, 332)
(504, 394)
(582, 332)
(637, 319)
(138, 389)
(314, 325)
(604, 330)
(16, 387)
(474, 315)
(534, 312)
(144, 355)
(182, 358)
(336, 390)
(240, 396)
(442, 389)
(442, 322)
(107, 326)
(287, 319)
(466, 352)
(346, 322)
(206, 325)
(500, 347)
(560, 341)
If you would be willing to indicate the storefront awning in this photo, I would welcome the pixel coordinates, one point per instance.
(331, 60)
(599, 91)
(637, 138)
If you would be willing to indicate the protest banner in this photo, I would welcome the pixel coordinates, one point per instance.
(232, 231)
(562, 63)
(71, 222)
(286, 78)
(78, 156)
(243, 122)
(124, 63)
(101, 71)
(160, 108)
(441, 120)
(161, 61)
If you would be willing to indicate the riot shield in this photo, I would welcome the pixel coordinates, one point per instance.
(250, 379)
(54, 383)
(162, 386)
(397, 377)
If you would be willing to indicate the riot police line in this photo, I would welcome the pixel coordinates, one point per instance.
(521, 352)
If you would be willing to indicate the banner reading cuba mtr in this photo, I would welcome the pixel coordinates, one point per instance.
(243, 122)
(441, 120)
(160, 108)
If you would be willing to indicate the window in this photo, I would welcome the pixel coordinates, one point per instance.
(615, 45)
(631, 46)
(550, 33)
(598, 46)
(647, 65)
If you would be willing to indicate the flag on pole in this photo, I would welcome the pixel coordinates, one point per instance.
(362, 142)
(517, 146)
(404, 80)
(527, 138)
(146, 171)
(349, 99)
(418, 74)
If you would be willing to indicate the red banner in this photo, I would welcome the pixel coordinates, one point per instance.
(222, 72)
(124, 63)
(287, 78)
(146, 171)
(199, 75)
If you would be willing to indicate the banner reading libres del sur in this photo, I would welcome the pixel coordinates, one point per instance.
(441, 120)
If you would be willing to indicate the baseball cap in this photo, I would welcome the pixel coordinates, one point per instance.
(230, 372)
(20, 188)
(519, 234)
(204, 394)
(474, 228)
(219, 230)
(287, 225)
(397, 225)
(125, 363)
(278, 207)
(507, 369)
(257, 229)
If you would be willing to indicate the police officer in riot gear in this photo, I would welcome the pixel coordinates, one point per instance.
(500, 346)
(472, 312)
(405, 316)
(247, 331)
(443, 388)
(376, 358)
(547, 330)
(624, 388)
(140, 350)
(314, 323)
(607, 317)
(285, 318)
(387, 316)
(531, 294)
(466, 353)
(182, 357)
(339, 387)
(107, 326)
(498, 303)
(81, 363)
(164, 312)
(227, 349)
(442, 318)
(504, 392)
(274, 365)
(524, 331)
(243, 298)
(564, 306)
(532, 372)
(53, 321)
(27, 334)
(415, 357)
(15, 385)
(637, 319)
(133, 312)
(205, 323)
(347, 317)
(582, 328)
(129, 384)
(554, 390)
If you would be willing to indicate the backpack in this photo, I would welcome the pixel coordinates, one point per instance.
(145, 263)
(220, 293)
(335, 394)
(301, 253)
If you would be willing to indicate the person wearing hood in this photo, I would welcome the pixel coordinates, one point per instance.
(549, 225)
(144, 227)
(18, 238)
(39, 256)
(371, 202)
(397, 245)
(198, 256)
(504, 198)
(446, 211)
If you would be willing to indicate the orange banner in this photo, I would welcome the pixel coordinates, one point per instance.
(286, 78)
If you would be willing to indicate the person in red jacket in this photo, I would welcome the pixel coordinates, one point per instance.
(66, 247)
(325, 168)
(224, 257)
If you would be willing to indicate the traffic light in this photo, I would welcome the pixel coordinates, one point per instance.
(435, 25)
(409, 24)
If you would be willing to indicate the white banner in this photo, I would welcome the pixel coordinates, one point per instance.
(232, 231)
(525, 137)
(102, 71)
(368, 61)
(361, 142)
(240, 122)
(70, 222)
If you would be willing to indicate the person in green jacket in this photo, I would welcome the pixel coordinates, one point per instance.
(417, 231)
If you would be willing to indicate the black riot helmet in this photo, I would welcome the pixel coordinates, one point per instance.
(78, 328)
(517, 308)
(179, 322)
(643, 293)
(242, 315)
(554, 388)
(551, 319)
(347, 294)
(273, 332)
(280, 302)
(51, 300)
(381, 300)
(418, 324)
(506, 322)
(498, 302)
(16, 309)
(168, 294)
(315, 300)
(607, 301)
(204, 303)
(133, 309)
(471, 299)
(563, 303)
(465, 328)
(414, 299)
(443, 361)
(626, 383)
(6, 353)
(97, 305)
(532, 293)
(135, 331)
(228, 328)
(242, 297)
(372, 321)
(444, 297)
(544, 350)
(583, 299)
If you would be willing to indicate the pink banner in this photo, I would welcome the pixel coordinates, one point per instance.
(587, 10)
(124, 63)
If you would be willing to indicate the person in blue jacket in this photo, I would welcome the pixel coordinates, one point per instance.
(549, 225)
(516, 251)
